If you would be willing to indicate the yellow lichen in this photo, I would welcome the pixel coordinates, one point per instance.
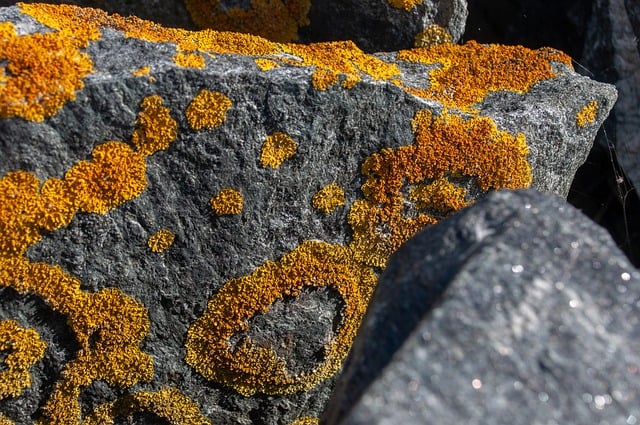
(306, 420)
(168, 403)
(322, 79)
(433, 35)
(251, 368)
(277, 148)
(156, 129)
(5, 421)
(447, 145)
(161, 240)
(441, 195)
(41, 72)
(266, 64)
(405, 4)
(207, 110)
(328, 198)
(277, 20)
(587, 115)
(467, 73)
(116, 174)
(23, 348)
(145, 70)
(189, 60)
(227, 202)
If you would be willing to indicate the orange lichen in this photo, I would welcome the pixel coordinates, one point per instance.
(227, 202)
(339, 57)
(116, 174)
(108, 325)
(85, 23)
(277, 20)
(404, 4)
(433, 35)
(5, 421)
(266, 64)
(161, 240)
(156, 129)
(441, 195)
(40, 72)
(587, 115)
(23, 348)
(145, 70)
(277, 148)
(467, 73)
(168, 403)
(251, 368)
(207, 110)
(447, 145)
(328, 198)
(189, 60)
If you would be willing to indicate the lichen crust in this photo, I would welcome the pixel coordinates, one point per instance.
(108, 325)
(250, 368)
(161, 240)
(328, 198)
(23, 348)
(587, 115)
(227, 202)
(207, 110)
(277, 148)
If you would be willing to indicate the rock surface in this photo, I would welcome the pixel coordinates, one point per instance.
(374, 25)
(517, 310)
(195, 224)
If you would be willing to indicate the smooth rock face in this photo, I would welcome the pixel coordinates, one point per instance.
(517, 310)
(374, 25)
(194, 222)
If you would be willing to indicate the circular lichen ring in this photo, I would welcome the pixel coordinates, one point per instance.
(250, 368)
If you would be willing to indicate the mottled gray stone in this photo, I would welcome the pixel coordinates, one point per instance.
(517, 310)
(336, 129)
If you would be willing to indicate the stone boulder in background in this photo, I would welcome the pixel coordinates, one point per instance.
(195, 221)
(517, 310)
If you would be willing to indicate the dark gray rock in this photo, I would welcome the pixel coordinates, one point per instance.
(335, 128)
(517, 310)
(611, 54)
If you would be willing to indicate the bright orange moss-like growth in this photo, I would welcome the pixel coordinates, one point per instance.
(277, 20)
(189, 60)
(306, 420)
(251, 368)
(156, 128)
(169, 404)
(446, 146)
(587, 115)
(266, 64)
(277, 148)
(405, 4)
(23, 348)
(109, 326)
(328, 198)
(41, 73)
(227, 202)
(468, 72)
(207, 110)
(161, 240)
(116, 174)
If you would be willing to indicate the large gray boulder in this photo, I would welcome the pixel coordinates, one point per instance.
(518, 310)
(194, 222)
